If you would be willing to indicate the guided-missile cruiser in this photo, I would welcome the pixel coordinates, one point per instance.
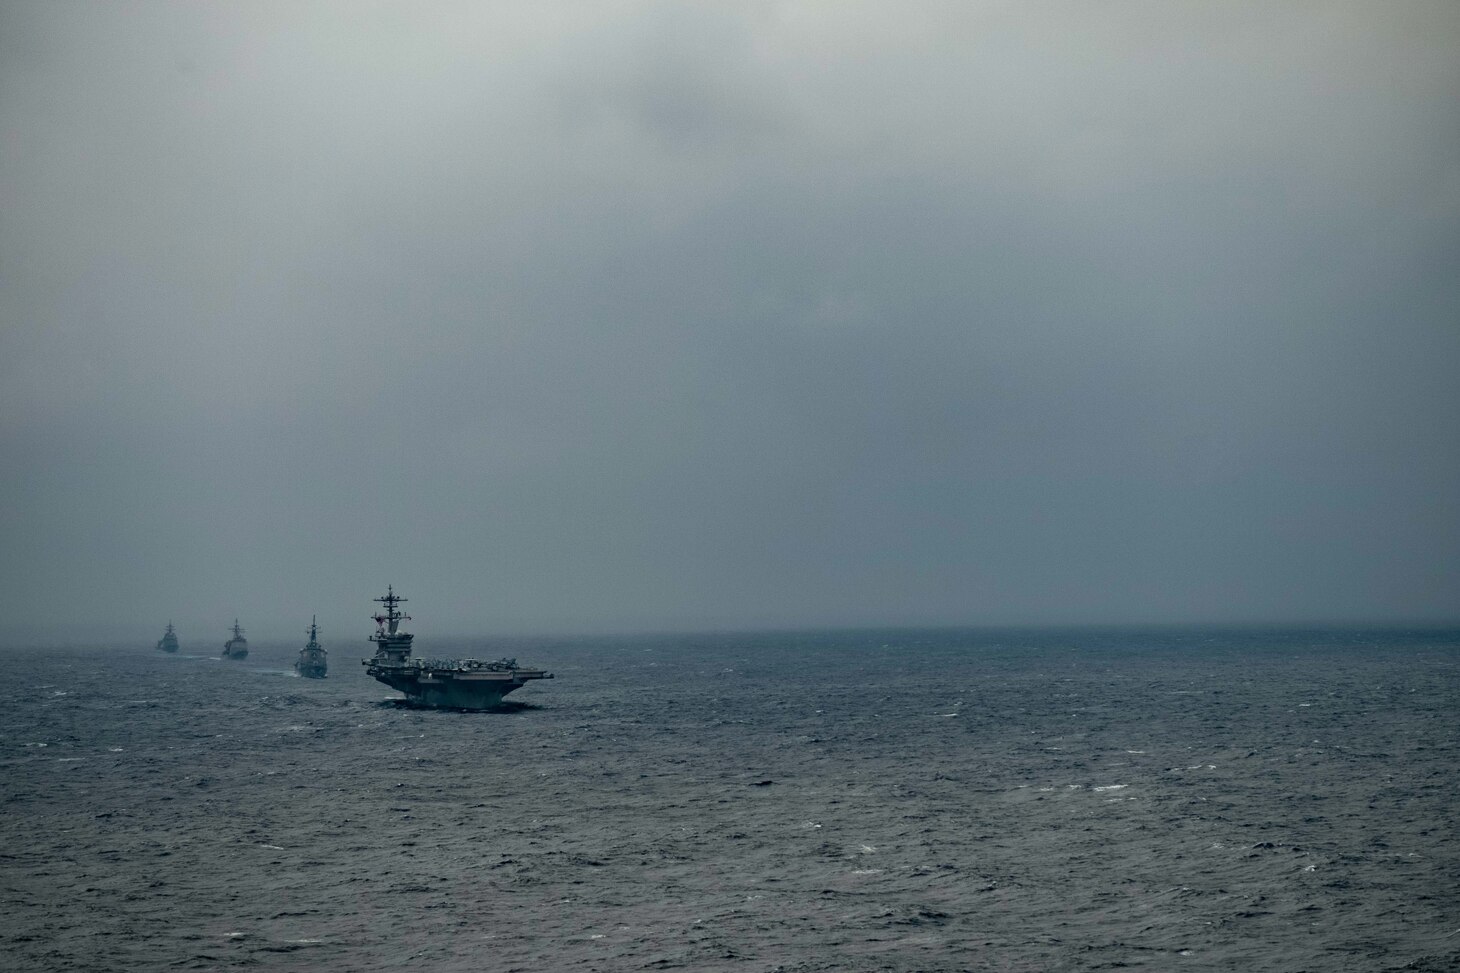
(313, 661)
(236, 647)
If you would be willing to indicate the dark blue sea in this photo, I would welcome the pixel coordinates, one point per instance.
(861, 800)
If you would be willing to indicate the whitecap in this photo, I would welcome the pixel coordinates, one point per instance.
(1112, 787)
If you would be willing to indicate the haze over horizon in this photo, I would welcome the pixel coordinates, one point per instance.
(641, 316)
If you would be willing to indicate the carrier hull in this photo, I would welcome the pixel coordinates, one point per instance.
(453, 688)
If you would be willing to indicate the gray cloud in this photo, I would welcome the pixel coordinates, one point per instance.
(638, 315)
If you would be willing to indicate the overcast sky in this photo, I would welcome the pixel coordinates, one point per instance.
(625, 316)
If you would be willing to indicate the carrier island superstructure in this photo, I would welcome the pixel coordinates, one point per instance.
(438, 683)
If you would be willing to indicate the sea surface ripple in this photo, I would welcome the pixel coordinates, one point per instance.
(855, 800)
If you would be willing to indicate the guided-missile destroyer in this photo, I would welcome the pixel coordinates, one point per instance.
(438, 683)
(168, 642)
(312, 663)
(236, 647)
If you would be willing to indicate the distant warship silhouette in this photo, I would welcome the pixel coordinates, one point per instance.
(312, 663)
(168, 642)
(236, 647)
(438, 683)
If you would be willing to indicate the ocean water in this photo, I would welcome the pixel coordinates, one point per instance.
(871, 800)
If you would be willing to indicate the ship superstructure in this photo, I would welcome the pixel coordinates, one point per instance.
(168, 642)
(439, 683)
(312, 662)
(236, 647)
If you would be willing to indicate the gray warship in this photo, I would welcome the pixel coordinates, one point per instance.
(312, 662)
(438, 683)
(168, 642)
(236, 647)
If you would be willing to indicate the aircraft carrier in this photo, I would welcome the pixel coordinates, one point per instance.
(439, 683)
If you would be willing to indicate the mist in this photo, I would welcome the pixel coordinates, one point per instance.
(642, 316)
